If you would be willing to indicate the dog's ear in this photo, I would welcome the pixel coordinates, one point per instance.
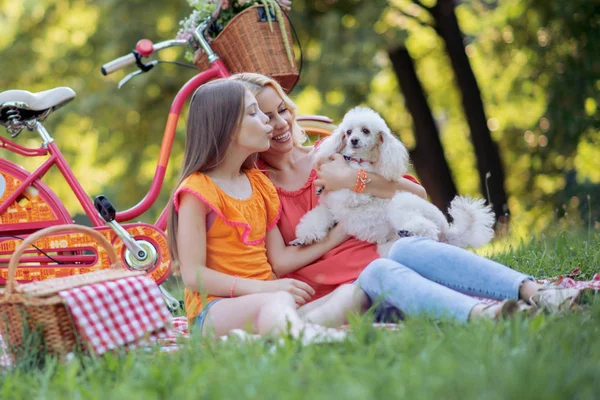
(332, 144)
(392, 162)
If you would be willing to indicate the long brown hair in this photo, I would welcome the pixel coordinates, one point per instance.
(256, 83)
(214, 118)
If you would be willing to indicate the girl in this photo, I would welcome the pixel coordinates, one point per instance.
(223, 223)
(420, 276)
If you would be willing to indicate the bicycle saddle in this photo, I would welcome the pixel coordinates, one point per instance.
(31, 105)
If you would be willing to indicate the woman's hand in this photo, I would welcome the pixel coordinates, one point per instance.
(301, 291)
(335, 174)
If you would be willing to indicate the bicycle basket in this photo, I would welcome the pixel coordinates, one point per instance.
(247, 44)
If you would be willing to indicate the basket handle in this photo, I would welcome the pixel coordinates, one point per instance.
(16, 256)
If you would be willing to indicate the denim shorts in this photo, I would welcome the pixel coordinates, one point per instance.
(202, 316)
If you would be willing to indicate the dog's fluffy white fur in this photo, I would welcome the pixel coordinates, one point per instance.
(365, 140)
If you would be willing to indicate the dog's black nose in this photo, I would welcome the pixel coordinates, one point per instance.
(354, 141)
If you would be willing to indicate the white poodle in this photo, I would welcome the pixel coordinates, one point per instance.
(365, 141)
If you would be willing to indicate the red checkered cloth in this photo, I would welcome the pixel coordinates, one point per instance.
(570, 281)
(117, 313)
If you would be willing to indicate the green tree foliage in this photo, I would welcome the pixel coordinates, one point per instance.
(537, 67)
(545, 89)
(536, 64)
(341, 43)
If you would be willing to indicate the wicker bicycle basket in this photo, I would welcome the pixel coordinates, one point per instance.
(36, 306)
(247, 44)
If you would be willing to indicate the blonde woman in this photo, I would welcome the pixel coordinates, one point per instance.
(420, 276)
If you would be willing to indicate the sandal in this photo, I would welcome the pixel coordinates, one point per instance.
(556, 299)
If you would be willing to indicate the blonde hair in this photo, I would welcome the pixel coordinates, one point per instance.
(256, 83)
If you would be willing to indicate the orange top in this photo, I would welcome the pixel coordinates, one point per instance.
(340, 265)
(235, 242)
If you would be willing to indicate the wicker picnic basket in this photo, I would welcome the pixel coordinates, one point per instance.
(247, 44)
(38, 303)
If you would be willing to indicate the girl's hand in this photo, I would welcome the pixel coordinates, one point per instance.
(301, 291)
(335, 174)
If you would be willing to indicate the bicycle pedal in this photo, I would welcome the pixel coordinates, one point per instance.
(105, 208)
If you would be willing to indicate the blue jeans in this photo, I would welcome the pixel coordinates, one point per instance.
(424, 277)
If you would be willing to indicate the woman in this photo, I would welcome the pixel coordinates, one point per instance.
(444, 275)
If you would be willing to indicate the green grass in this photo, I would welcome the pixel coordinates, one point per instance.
(547, 357)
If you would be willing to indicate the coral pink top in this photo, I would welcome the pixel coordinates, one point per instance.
(340, 265)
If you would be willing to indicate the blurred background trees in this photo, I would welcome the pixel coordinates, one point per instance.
(493, 98)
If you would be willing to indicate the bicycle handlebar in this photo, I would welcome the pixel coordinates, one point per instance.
(118, 63)
(143, 48)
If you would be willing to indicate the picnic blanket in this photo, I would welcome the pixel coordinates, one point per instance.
(117, 313)
(177, 329)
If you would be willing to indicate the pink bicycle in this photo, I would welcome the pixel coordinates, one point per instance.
(27, 204)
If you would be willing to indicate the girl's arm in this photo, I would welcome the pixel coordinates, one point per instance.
(336, 175)
(191, 246)
(285, 259)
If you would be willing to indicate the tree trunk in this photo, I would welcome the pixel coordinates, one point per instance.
(428, 155)
(486, 150)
